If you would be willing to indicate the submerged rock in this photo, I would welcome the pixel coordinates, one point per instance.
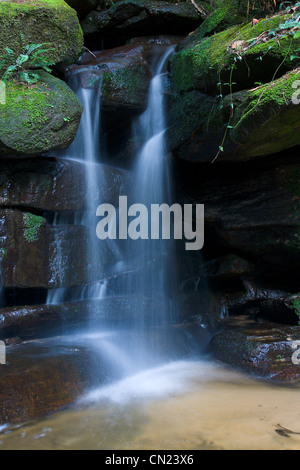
(51, 22)
(38, 118)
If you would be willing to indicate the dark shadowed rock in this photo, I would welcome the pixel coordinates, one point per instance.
(130, 18)
(83, 7)
(252, 210)
(38, 320)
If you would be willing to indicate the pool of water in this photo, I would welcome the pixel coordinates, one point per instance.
(185, 405)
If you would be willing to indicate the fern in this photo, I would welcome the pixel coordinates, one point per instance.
(24, 65)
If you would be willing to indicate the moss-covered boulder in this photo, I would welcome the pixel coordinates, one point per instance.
(268, 120)
(46, 21)
(38, 118)
(239, 57)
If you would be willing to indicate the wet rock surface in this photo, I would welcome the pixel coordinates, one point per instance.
(265, 350)
(47, 375)
(40, 378)
(51, 185)
(30, 250)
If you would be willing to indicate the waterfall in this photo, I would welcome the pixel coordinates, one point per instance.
(85, 150)
(152, 185)
(144, 339)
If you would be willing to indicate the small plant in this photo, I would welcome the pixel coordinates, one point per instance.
(295, 304)
(24, 66)
(32, 224)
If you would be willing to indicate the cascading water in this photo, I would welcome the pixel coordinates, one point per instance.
(144, 340)
(85, 150)
(153, 186)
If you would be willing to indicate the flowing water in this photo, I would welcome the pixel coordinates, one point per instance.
(135, 347)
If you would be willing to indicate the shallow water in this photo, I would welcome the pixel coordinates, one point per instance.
(180, 406)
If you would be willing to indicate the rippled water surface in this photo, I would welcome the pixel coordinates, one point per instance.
(180, 406)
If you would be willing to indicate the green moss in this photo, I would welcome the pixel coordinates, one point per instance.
(294, 303)
(267, 122)
(127, 82)
(32, 224)
(47, 21)
(227, 14)
(33, 118)
(203, 65)
(278, 93)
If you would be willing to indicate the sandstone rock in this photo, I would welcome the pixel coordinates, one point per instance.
(125, 76)
(263, 350)
(40, 378)
(252, 211)
(46, 184)
(35, 254)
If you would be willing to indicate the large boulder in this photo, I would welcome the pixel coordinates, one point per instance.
(130, 18)
(37, 119)
(46, 21)
(226, 13)
(234, 95)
